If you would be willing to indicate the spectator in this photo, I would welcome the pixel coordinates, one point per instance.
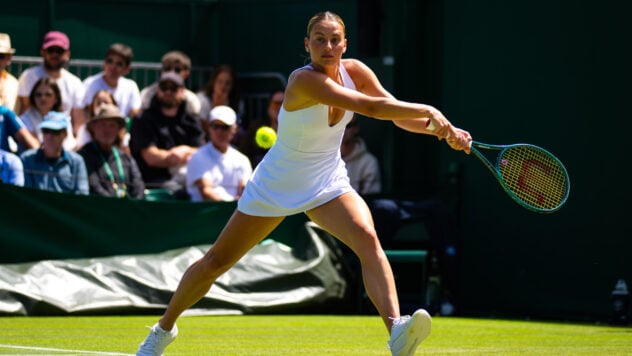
(56, 54)
(179, 63)
(217, 171)
(165, 136)
(12, 127)
(362, 166)
(248, 145)
(117, 64)
(221, 89)
(102, 97)
(11, 169)
(111, 172)
(51, 167)
(45, 97)
(8, 83)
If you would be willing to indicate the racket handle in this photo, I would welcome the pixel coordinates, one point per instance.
(431, 127)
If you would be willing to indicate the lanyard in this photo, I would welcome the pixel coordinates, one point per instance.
(121, 191)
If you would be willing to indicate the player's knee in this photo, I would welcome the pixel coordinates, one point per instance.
(214, 265)
(368, 244)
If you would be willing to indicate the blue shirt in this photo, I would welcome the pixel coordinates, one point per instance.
(11, 171)
(10, 124)
(66, 174)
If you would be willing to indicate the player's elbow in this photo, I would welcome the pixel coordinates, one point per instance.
(376, 108)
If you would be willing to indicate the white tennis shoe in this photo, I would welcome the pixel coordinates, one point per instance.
(157, 341)
(408, 332)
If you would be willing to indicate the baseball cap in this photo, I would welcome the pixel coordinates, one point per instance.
(108, 111)
(56, 39)
(172, 76)
(55, 120)
(224, 114)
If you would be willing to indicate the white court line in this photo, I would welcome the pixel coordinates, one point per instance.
(74, 352)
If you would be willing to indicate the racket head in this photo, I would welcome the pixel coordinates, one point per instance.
(532, 176)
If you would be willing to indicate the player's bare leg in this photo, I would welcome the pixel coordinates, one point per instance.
(240, 234)
(349, 219)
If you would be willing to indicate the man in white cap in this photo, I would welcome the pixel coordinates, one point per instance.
(8, 83)
(51, 167)
(217, 171)
(56, 54)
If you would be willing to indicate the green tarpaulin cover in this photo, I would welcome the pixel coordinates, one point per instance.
(66, 254)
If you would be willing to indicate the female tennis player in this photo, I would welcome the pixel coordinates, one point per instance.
(303, 172)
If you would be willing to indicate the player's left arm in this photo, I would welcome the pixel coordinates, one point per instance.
(367, 83)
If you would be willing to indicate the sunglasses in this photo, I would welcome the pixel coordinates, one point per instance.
(168, 87)
(173, 69)
(116, 63)
(52, 132)
(220, 127)
(48, 94)
(5, 55)
(55, 50)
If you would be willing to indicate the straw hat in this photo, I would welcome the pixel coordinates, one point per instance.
(5, 44)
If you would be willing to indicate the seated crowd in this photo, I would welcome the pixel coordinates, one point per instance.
(104, 136)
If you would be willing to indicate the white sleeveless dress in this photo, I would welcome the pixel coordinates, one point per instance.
(303, 169)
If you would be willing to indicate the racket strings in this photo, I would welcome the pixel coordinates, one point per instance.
(534, 176)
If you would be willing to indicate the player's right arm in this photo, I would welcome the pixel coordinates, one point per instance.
(309, 87)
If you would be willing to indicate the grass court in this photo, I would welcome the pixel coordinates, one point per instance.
(305, 335)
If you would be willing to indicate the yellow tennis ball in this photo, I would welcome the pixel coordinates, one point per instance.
(265, 137)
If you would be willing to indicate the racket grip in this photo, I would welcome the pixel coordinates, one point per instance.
(431, 127)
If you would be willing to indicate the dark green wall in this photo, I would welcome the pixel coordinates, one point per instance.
(252, 35)
(555, 74)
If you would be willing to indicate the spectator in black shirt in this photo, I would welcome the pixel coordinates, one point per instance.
(165, 136)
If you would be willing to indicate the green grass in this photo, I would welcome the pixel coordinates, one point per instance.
(305, 335)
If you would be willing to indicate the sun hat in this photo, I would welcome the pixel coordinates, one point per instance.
(108, 111)
(5, 44)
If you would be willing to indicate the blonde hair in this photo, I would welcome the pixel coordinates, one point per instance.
(324, 16)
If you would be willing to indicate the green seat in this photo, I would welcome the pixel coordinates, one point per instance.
(158, 194)
(409, 261)
(416, 256)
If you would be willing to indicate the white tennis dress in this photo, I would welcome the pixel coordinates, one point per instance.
(303, 169)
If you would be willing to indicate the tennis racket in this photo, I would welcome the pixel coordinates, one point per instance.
(531, 176)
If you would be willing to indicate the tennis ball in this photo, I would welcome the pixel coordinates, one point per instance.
(265, 137)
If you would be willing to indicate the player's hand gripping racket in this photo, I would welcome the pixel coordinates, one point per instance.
(531, 175)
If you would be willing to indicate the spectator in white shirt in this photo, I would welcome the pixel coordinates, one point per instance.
(56, 54)
(117, 64)
(124, 91)
(217, 171)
